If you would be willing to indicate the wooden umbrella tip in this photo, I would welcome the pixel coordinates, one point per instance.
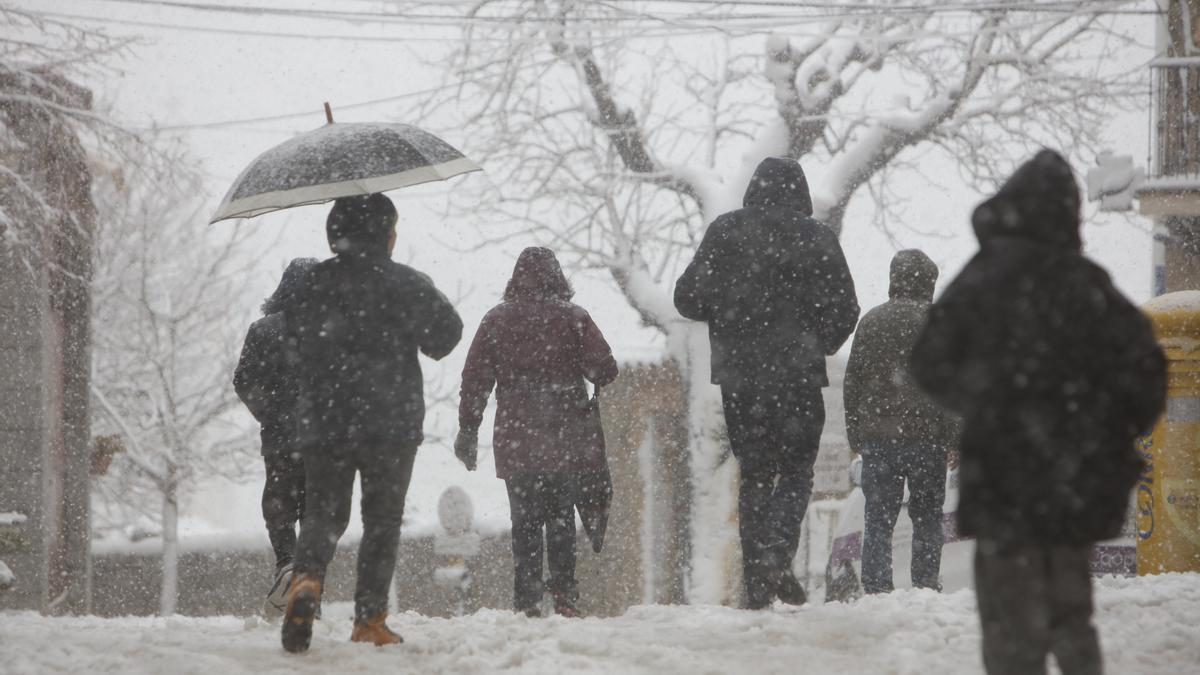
(328, 113)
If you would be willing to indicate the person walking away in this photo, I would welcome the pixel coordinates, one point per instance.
(900, 433)
(537, 348)
(772, 284)
(1055, 374)
(357, 322)
(265, 382)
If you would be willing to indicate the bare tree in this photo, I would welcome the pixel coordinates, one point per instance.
(167, 326)
(616, 131)
(39, 103)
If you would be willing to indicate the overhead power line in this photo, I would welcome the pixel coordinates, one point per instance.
(1099, 7)
(237, 31)
(662, 32)
(833, 10)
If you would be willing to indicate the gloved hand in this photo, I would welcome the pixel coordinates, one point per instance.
(466, 447)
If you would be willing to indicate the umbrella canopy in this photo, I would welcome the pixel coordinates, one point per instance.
(340, 160)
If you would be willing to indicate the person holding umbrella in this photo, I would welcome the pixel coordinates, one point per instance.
(537, 348)
(355, 324)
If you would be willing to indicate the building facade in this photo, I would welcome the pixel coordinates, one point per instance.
(45, 362)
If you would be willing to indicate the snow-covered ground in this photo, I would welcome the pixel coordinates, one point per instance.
(1148, 625)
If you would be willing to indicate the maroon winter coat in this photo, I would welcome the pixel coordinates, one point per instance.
(536, 348)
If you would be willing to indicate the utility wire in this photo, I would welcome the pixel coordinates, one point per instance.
(734, 25)
(419, 93)
(641, 35)
(236, 31)
(844, 10)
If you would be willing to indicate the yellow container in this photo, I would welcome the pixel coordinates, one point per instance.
(1168, 493)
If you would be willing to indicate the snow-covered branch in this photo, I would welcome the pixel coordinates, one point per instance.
(620, 124)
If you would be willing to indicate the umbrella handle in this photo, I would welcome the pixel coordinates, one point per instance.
(328, 113)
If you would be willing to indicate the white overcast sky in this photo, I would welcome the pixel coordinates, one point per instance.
(180, 74)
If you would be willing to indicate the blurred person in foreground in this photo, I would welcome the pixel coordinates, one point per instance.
(900, 433)
(265, 381)
(773, 286)
(1055, 374)
(357, 322)
(537, 349)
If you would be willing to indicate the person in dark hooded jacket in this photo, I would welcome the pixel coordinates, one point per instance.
(536, 349)
(773, 286)
(1055, 374)
(357, 322)
(900, 433)
(265, 381)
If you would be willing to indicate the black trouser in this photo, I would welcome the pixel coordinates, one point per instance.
(775, 433)
(537, 501)
(283, 502)
(884, 471)
(384, 474)
(1035, 600)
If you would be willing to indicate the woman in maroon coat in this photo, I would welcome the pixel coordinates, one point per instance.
(536, 348)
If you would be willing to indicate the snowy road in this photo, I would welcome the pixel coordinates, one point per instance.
(1148, 625)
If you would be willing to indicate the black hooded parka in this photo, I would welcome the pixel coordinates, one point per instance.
(1054, 371)
(772, 283)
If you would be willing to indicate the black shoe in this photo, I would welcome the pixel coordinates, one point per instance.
(789, 590)
(531, 612)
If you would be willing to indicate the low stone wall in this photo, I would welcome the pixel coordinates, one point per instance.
(235, 582)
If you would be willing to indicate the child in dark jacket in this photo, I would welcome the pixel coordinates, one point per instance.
(265, 382)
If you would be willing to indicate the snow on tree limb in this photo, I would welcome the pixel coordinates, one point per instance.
(621, 124)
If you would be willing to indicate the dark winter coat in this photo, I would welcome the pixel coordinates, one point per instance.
(357, 323)
(536, 348)
(265, 378)
(263, 382)
(1053, 370)
(884, 406)
(772, 284)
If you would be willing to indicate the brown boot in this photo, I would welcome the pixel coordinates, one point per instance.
(304, 599)
(564, 606)
(375, 631)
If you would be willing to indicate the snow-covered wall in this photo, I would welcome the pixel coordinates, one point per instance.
(217, 581)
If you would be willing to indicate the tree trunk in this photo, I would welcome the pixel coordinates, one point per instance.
(170, 552)
(713, 517)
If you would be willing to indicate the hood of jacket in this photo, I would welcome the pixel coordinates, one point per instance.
(779, 181)
(913, 276)
(1039, 202)
(292, 279)
(537, 274)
